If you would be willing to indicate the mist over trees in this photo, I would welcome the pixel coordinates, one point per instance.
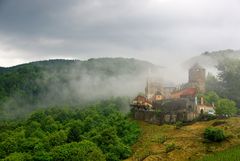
(226, 83)
(26, 87)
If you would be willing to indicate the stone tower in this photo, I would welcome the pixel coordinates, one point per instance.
(197, 77)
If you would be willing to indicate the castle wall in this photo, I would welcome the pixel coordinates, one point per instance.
(160, 118)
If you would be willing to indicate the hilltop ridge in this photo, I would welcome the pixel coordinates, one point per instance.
(211, 59)
(26, 87)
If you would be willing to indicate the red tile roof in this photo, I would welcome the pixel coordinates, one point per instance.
(189, 92)
(185, 92)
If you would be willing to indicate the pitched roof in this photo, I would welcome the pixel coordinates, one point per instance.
(186, 92)
(189, 92)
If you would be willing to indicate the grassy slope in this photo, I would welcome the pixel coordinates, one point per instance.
(189, 141)
(232, 154)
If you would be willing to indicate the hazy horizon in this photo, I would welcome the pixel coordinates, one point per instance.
(164, 32)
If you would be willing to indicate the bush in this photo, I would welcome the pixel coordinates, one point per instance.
(170, 147)
(178, 124)
(206, 117)
(214, 134)
(162, 139)
(226, 107)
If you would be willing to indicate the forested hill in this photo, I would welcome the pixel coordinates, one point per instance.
(68, 82)
(1, 69)
(211, 59)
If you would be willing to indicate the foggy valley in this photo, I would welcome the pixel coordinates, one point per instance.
(129, 80)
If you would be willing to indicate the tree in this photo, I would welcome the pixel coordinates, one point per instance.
(229, 76)
(82, 151)
(42, 156)
(57, 138)
(226, 107)
(211, 97)
(212, 83)
(78, 134)
(18, 157)
(111, 144)
(74, 133)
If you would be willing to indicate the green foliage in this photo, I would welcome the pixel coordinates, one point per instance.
(26, 87)
(170, 147)
(211, 97)
(212, 83)
(74, 133)
(214, 134)
(42, 156)
(178, 124)
(229, 76)
(226, 107)
(98, 132)
(226, 84)
(206, 117)
(18, 157)
(82, 151)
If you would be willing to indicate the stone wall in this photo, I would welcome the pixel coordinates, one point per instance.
(160, 118)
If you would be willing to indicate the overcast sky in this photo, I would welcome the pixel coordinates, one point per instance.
(160, 31)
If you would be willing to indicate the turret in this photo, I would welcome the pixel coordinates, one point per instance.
(197, 77)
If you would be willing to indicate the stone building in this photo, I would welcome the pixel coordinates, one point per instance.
(153, 86)
(197, 77)
(168, 105)
(182, 109)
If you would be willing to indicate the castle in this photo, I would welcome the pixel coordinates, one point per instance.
(170, 104)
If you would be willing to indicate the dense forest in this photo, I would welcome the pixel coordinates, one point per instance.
(26, 87)
(226, 83)
(98, 132)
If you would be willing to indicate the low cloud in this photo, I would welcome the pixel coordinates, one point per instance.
(153, 30)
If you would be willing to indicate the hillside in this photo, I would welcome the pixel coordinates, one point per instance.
(2, 69)
(68, 82)
(69, 134)
(211, 59)
(165, 142)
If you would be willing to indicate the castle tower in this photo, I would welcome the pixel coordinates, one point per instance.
(197, 77)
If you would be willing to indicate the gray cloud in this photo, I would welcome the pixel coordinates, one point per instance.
(165, 32)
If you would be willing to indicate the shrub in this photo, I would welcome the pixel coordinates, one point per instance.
(226, 107)
(162, 139)
(178, 124)
(170, 147)
(206, 117)
(214, 134)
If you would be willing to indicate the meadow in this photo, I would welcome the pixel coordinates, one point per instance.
(167, 142)
(232, 154)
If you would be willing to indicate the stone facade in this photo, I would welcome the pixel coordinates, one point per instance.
(170, 104)
(197, 78)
